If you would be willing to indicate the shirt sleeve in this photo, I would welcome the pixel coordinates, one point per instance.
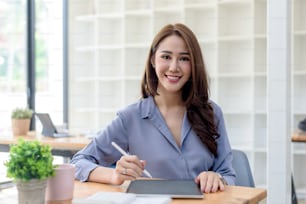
(83, 166)
(100, 152)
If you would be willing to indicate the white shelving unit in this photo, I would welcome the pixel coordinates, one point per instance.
(109, 41)
(298, 92)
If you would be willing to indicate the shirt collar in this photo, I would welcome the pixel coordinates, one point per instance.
(147, 106)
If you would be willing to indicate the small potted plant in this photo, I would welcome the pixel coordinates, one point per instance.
(21, 118)
(30, 164)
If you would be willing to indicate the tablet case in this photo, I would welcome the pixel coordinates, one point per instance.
(172, 188)
(49, 128)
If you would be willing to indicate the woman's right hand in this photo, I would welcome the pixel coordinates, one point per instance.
(127, 168)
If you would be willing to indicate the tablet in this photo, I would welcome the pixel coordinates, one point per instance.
(6, 182)
(49, 128)
(172, 188)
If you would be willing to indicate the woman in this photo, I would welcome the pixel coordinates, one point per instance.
(175, 131)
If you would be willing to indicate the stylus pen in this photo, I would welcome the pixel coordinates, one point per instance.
(125, 154)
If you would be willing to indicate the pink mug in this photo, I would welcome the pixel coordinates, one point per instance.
(61, 186)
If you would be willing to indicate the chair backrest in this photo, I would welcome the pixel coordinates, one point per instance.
(241, 165)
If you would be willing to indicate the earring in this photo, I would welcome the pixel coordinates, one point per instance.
(153, 65)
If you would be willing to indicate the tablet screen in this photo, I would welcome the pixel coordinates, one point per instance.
(172, 188)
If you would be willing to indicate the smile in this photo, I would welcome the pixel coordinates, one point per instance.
(173, 78)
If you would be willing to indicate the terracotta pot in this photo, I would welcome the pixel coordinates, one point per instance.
(20, 127)
(33, 191)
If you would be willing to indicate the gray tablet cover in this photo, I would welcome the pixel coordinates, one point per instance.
(49, 128)
(172, 188)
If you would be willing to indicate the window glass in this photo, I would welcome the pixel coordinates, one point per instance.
(12, 59)
(12, 65)
(49, 59)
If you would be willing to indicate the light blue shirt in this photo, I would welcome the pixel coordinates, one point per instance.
(141, 130)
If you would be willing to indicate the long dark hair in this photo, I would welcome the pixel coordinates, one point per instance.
(195, 92)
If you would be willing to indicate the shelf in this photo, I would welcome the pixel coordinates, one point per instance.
(209, 16)
(79, 61)
(80, 94)
(82, 125)
(235, 18)
(136, 5)
(235, 94)
(137, 31)
(108, 6)
(236, 57)
(260, 52)
(260, 21)
(299, 49)
(108, 67)
(86, 18)
(110, 41)
(104, 118)
(135, 59)
(82, 33)
(200, 3)
(110, 94)
(260, 94)
(234, 38)
(299, 149)
(233, 3)
(81, 7)
(139, 13)
(299, 94)
(239, 129)
(301, 33)
(109, 32)
(299, 15)
(260, 128)
(299, 73)
(209, 52)
(299, 170)
(260, 169)
(132, 91)
(167, 4)
(235, 75)
(298, 91)
(166, 18)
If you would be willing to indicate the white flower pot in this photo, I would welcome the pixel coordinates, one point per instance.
(31, 192)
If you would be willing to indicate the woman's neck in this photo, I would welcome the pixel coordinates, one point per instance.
(168, 100)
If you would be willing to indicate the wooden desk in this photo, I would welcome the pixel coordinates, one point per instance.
(298, 136)
(232, 194)
(65, 146)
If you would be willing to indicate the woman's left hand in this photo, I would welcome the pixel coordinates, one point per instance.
(210, 182)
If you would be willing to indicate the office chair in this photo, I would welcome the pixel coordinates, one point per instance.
(244, 174)
(241, 165)
(294, 199)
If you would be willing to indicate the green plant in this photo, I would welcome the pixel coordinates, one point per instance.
(22, 113)
(30, 160)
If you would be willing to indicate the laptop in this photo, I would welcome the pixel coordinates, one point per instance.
(49, 128)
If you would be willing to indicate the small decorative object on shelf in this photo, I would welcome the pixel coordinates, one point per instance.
(30, 164)
(302, 126)
(21, 118)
